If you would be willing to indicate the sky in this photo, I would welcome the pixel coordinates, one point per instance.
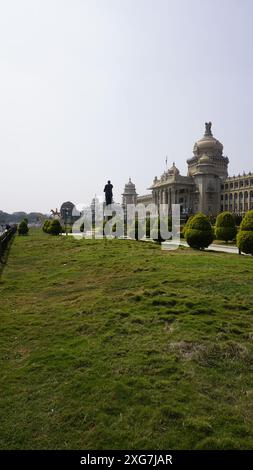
(92, 90)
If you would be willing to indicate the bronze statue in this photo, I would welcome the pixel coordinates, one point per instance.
(108, 193)
(208, 128)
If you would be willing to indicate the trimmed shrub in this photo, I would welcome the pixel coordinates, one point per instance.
(244, 238)
(198, 231)
(54, 227)
(46, 225)
(237, 219)
(212, 219)
(225, 228)
(23, 228)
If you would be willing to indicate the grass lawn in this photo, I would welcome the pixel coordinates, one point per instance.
(118, 344)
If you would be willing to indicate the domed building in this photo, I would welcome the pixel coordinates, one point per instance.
(69, 213)
(207, 187)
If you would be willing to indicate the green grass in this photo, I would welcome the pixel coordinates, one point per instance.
(118, 344)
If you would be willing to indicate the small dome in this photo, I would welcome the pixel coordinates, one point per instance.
(129, 187)
(173, 171)
(130, 183)
(67, 205)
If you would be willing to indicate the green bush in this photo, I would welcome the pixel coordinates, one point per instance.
(46, 225)
(23, 228)
(225, 228)
(54, 227)
(237, 218)
(198, 231)
(244, 238)
(212, 219)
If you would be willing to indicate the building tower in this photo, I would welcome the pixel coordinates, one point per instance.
(208, 168)
(129, 196)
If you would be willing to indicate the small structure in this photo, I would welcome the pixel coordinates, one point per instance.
(68, 213)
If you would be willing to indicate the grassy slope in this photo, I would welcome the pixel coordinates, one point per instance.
(116, 344)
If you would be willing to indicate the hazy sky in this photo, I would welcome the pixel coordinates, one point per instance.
(99, 89)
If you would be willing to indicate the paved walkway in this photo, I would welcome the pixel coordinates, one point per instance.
(232, 249)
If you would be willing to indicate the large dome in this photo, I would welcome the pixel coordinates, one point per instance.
(208, 144)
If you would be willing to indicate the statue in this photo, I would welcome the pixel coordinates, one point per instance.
(108, 193)
(56, 214)
(208, 128)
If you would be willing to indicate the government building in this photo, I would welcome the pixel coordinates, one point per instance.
(207, 187)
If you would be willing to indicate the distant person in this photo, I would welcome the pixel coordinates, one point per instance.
(108, 193)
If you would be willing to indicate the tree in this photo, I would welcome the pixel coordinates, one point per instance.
(225, 228)
(244, 238)
(54, 227)
(23, 228)
(198, 231)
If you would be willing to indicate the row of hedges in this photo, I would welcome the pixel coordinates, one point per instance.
(53, 227)
(199, 233)
(198, 230)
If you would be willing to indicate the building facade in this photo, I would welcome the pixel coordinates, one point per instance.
(207, 187)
